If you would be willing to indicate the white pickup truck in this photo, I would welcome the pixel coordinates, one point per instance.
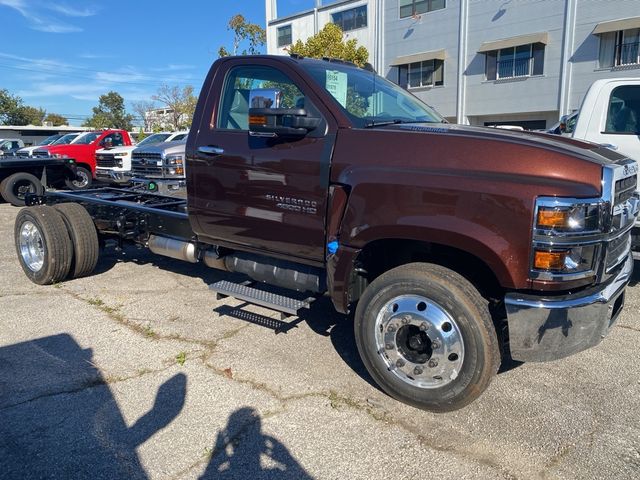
(610, 115)
(113, 164)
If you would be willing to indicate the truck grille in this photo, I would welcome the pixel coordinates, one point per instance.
(146, 164)
(40, 153)
(617, 250)
(625, 188)
(106, 161)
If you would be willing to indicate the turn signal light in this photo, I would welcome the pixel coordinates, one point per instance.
(257, 120)
(549, 260)
(553, 218)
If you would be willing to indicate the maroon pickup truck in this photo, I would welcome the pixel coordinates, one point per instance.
(455, 247)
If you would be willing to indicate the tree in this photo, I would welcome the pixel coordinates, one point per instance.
(13, 111)
(329, 42)
(181, 104)
(141, 109)
(56, 119)
(110, 113)
(244, 32)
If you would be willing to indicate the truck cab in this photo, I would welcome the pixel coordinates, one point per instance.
(610, 116)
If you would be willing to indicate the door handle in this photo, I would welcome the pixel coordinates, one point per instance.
(210, 150)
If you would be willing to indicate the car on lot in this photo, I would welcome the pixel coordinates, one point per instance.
(114, 164)
(83, 150)
(52, 140)
(9, 146)
(161, 165)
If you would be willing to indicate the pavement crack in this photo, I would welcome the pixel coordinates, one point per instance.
(629, 327)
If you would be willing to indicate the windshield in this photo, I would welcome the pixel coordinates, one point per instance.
(368, 99)
(66, 139)
(155, 138)
(86, 138)
(51, 139)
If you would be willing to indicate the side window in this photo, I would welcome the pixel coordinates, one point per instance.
(116, 139)
(234, 109)
(623, 113)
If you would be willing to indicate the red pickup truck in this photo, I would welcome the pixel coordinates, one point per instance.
(83, 150)
(455, 247)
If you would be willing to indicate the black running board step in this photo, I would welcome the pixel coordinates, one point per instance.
(272, 301)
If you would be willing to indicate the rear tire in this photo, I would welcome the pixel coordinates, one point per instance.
(84, 238)
(15, 187)
(43, 244)
(426, 337)
(83, 179)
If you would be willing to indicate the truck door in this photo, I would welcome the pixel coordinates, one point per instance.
(255, 192)
(621, 128)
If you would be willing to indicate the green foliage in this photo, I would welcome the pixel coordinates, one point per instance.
(329, 42)
(56, 120)
(141, 135)
(244, 32)
(13, 111)
(181, 358)
(110, 113)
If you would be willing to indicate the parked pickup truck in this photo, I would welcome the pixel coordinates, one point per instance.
(161, 165)
(83, 150)
(114, 164)
(610, 115)
(454, 246)
(22, 175)
(9, 146)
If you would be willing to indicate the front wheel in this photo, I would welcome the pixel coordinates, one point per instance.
(82, 181)
(426, 337)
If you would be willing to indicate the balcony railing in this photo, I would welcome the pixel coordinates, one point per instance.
(628, 53)
(518, 67)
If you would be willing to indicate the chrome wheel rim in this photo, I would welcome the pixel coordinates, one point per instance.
(419, 341)
(31, 247)
(83, 180)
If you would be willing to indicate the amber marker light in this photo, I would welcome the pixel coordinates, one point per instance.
(257, 120)
(549, 260)
(553, 218)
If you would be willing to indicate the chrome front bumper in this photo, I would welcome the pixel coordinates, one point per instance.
(113, 176)
(543, 328)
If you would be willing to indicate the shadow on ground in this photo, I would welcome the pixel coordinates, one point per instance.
(59, 419)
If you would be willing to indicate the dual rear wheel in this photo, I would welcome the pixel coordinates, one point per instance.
(56, 243)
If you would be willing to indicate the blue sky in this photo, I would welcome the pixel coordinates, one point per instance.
(61, 55)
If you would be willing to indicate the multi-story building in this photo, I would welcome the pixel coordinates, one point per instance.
(484, 62)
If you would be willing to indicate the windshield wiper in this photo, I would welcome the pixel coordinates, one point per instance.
(373, 123)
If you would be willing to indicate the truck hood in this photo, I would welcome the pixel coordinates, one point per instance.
(69, 149)
(164, 148)
(124, 149)
(589, 151)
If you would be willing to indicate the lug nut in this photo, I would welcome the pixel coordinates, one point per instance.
(389, 346)
(435, 345)
(400, 363)
(424, 326)
(433, 363)
(418, 371)
(391, 328)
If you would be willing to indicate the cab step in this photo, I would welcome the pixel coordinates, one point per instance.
(287, 306)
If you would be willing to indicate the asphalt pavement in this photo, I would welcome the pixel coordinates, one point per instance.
(138, 372)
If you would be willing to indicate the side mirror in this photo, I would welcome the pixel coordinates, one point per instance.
(267, 119)
(563, 124)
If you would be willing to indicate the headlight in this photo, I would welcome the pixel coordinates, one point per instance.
(121, 154)
(569, 218)
(174, 159)
(568, 260)
(566, 238)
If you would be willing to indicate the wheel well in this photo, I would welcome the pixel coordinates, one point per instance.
(382, 255)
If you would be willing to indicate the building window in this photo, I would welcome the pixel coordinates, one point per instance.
(620, 48)
(520, 61)
(410, 8)
(421, 74)
(284, 36)
(351, 19)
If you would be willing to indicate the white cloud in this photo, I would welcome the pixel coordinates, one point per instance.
(32, 11)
